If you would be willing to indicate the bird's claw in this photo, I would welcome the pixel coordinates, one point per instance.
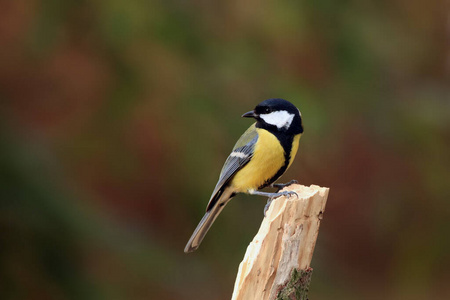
(288, 194)
(266, 208)
(280, 186)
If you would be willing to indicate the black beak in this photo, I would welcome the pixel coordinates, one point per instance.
(250, 114)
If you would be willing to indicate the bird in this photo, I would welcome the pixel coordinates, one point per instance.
(260, 156)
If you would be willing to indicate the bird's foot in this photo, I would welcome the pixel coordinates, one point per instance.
(281, 186)
(272, 196)
(266, 208)
(287, 194)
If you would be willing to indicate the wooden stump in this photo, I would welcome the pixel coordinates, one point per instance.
(276, 264)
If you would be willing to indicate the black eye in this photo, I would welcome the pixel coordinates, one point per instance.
(267, 110)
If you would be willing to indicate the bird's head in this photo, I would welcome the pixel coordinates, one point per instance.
(277, 115)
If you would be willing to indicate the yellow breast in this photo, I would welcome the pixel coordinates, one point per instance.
(267, 159)
(294, 148)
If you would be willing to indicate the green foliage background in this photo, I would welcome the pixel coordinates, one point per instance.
(116, 117)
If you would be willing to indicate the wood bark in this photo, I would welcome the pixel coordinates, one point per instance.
(276, 264)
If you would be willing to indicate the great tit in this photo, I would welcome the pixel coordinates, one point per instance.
(261, 155)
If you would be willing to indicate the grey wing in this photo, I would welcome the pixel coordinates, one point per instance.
(238, 158)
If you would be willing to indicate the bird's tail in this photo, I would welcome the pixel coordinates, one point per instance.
(205, 223)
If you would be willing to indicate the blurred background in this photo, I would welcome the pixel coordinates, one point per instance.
(116, 118)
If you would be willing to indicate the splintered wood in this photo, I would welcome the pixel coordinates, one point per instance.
(285, 241)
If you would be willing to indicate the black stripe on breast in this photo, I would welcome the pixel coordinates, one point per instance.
(286, 142)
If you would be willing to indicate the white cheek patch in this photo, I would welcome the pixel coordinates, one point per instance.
(278, 118)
